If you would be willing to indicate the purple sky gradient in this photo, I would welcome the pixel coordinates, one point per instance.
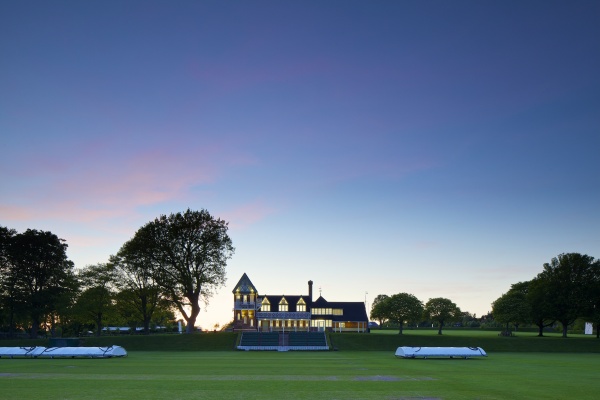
(445, 149)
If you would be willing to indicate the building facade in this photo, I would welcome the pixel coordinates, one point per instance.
(268, 313)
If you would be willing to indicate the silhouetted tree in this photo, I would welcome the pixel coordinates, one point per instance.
(189, 253)
(141, 292)
(511, 307)
(38, 274)
(95, 302)
(569, 278)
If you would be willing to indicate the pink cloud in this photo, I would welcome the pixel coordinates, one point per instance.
(15, 213)
(104, 182)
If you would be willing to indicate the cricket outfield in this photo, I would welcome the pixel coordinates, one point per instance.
(302, 375)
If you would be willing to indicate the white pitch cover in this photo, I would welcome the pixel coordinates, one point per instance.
(461, 352)
(62, 352)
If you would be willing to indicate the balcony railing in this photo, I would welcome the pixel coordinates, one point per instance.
(283, 315)
(246, 305)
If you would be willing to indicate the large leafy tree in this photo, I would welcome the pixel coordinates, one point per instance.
(141, 292)
(592, 312)
(95, 303)
(404, 307)
(188, 253)
(379, 309)
(569, 277)
(129, 312)
(7, 280)
(538, 301)
(511, 307)
(39, 274)
(441, 310)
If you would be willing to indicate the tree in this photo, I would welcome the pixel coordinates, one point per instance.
(7, 279)
(569, 278)
(142, 292)
(189, 253)
(96, 300)
(511, 307)
(593, 306)
(379, 309)
(441, 310)
(538, 300)
(39, 274)
(404, 307)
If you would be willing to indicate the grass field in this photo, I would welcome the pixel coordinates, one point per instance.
(205, 367)
(302, 375)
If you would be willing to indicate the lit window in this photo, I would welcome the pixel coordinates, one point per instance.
(265, 306)
(301, 306)
(283, 305)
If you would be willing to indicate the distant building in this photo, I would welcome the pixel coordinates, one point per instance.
(267, 313)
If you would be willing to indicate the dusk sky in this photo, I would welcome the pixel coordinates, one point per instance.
(440, 148)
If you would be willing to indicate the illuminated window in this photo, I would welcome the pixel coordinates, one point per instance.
(265, 305)
(283, 305)
(301, 306)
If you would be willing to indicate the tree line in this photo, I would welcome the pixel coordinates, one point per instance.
(567, 289)
(404, 308)
(173, 263)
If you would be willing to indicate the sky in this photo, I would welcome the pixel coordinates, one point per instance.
(443, 149)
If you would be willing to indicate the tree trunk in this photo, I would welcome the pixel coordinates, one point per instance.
(540, 330)
(11, 321)
(99, 325)
(191, 319)
(441, 325)
(146, 325)
(401, 326)
(145, 314)
(35, 326)
(564, 330)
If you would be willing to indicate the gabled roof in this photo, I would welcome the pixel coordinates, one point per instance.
(274, 300)
(353, 310)
(244, 286)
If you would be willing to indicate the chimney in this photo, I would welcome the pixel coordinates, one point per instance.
(310, 291)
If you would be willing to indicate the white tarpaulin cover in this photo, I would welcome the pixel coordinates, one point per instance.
(56, 352)
(466, 352)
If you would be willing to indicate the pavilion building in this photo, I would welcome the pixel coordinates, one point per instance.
(281, 313)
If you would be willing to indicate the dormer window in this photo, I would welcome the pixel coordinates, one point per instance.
(265, 305)
(301, 305)
(283, 305)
